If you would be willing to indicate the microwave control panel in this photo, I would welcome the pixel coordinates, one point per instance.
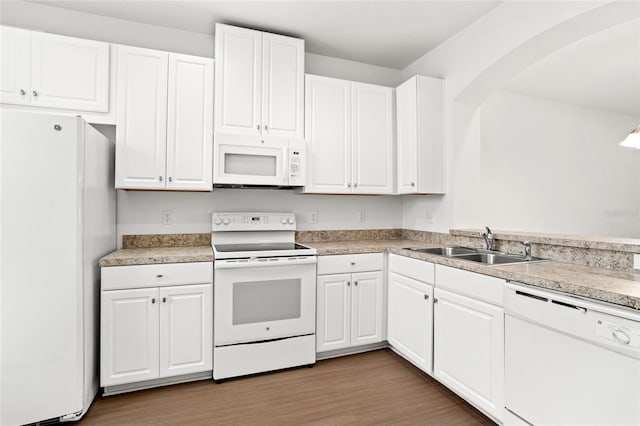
(296, 167)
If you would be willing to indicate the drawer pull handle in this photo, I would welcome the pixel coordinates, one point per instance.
(159, 276)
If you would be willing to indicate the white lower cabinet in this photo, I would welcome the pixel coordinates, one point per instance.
(469, 337)
(350, 306)
(410, 310)
(158, 331)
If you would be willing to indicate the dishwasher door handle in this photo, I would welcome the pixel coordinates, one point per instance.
(570, 305)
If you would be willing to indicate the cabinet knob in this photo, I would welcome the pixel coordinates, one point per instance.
(435, 300)
(353, 263)
(348, 283)
(266, 127)
(22, 92)
(258, 127)
(355, 185)
(160, 178)
(349, 185)
(355, 283)
(170, 179)
(34, 93)
(153, 300)
(159, 276)
(164, 300)
(413, 184)
(426, 297)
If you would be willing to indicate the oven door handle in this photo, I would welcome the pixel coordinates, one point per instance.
(264, 262)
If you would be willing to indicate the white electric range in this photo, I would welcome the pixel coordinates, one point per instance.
(264, 294)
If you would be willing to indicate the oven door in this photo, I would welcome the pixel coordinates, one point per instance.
(237, 164)
(263, 299)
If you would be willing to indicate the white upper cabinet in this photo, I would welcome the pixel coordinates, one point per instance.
(189, 122)
(47, 70)
(141, 131)
(420, 136)
(259, 83)
(164, 132)
(328, 135)
(349, 135)
(238, 81)
(283, 86)
(372, 138)
(15, 66)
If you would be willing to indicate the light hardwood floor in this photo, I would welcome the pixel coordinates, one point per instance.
(372, 388)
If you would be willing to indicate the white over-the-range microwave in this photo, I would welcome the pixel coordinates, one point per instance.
(242, 161)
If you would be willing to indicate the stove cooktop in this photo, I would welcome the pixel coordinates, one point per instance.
(257, 247)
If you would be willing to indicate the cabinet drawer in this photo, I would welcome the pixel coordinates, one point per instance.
(157, 275)
(417, 269)
(346, 263)
(481, 287)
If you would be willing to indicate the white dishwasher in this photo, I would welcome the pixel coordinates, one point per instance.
(569, 361)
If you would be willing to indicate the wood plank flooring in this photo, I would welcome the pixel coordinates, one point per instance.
(375, 387)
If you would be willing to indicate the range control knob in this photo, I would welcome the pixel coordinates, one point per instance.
(218, 221)
(291, 221)
(284, 220)
(226, 221)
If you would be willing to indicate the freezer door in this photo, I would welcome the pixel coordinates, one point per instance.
(41, 273)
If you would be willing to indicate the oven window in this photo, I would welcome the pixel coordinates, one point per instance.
(249, 164)
(260, 301)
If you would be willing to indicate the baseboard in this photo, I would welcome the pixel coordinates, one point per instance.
(148, 384)
(351, 351)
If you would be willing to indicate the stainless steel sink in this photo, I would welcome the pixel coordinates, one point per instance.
(475, 255)
(444, 251)
(497, 259)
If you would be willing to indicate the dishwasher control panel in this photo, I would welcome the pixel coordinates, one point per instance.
(618, 333)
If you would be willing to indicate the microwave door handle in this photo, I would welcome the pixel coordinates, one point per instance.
(285, 165)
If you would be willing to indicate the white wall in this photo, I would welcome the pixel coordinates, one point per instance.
(551, 166)
(140, 212)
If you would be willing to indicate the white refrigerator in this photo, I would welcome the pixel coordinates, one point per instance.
(57, 218)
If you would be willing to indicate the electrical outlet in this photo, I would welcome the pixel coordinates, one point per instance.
(313, 216)
(428, 217)
(167, 217)
(362, 218)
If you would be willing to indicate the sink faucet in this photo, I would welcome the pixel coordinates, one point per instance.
(527, 250)
(488, 239)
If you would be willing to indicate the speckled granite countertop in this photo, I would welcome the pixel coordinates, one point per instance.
(150, 255)
(618, 287)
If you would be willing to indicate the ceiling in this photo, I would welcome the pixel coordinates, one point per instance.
(600, 71)
(387, 33)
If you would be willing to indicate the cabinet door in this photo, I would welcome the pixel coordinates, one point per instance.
(69, 73)
(190, 123)
(328, 135)
(334, 312)
(366, 308)
(410, 320)
(372, 139)
(141, 118)
(407, 136)
(15, 65)
(469, 349)
(129, 336)
(238, 80)
(186, 329)
(283, 86)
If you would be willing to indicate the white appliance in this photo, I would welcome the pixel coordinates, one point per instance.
(241, 161)
(569, 361)
(264, 295)
(57, 218)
